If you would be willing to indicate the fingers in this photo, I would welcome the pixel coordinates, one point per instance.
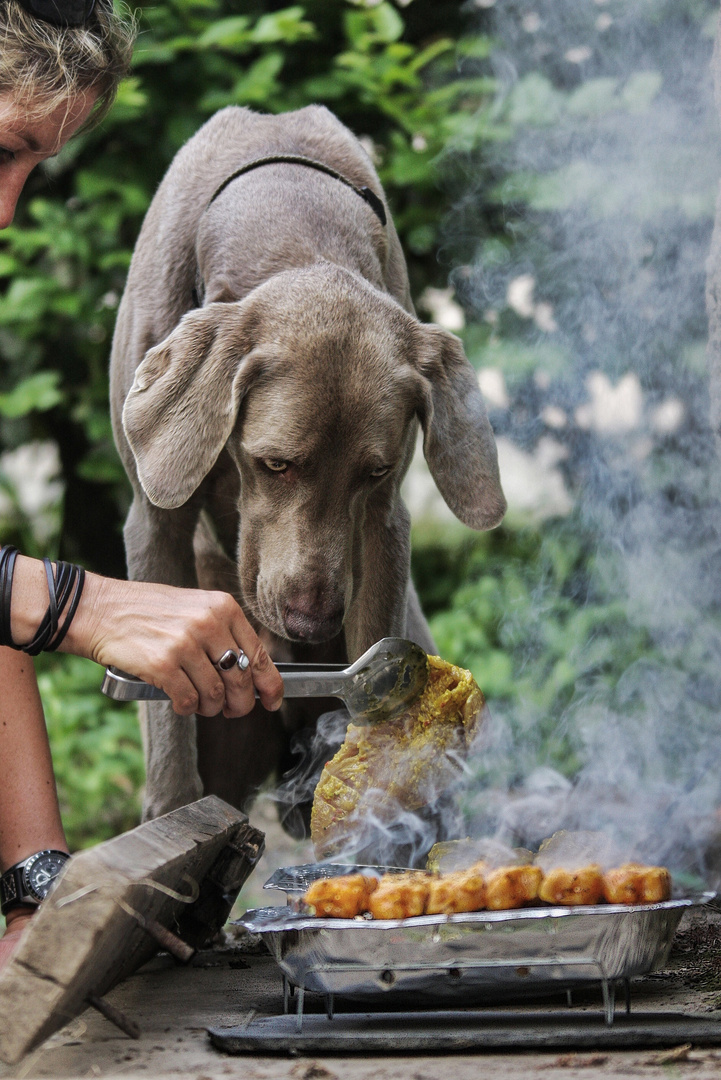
(261, 675)
(206, 686)
(239, 691)
(173, 638)
(200, 690)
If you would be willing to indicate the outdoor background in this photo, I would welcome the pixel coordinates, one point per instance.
(552, 169)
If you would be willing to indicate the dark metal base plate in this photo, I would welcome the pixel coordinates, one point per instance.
(427, 1032)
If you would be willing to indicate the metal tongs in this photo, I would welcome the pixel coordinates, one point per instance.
(383, 681)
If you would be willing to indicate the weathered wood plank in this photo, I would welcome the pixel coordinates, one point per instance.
(183, 870)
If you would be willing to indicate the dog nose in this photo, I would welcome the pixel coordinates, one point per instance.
(312, 616)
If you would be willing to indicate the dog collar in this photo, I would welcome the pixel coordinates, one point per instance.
(368, 196)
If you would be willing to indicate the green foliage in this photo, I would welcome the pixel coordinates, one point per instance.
(97, 752)
(389, 72)
(530, 617)
(38, 392)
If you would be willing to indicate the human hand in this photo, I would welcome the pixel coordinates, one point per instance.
(16, 922)
(172, 637)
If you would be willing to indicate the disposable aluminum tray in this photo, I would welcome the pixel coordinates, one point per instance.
(482, 954)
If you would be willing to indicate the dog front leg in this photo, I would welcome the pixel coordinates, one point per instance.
(171, 759)
(159, 547)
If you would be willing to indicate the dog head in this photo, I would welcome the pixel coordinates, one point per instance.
(314, 383)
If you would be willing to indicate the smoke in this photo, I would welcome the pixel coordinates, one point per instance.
(607, 185)
(578, 248)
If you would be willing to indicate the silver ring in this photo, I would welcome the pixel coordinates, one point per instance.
(243, 660)
(227, 661)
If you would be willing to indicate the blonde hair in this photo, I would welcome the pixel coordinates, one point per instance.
(44, 66)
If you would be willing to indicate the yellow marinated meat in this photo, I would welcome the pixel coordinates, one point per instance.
(402, 764)
(341, 897)
(461, 890)
(400, 896)
(510, 887)
(634, 883)
(583, 885)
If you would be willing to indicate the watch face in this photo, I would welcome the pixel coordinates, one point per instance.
(40, 872)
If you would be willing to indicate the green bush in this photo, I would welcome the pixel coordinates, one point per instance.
(96, 748)
(387, 70)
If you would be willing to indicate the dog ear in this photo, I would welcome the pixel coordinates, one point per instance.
(458, 440)
(184, 401)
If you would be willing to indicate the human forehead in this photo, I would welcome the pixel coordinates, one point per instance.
(42, 132)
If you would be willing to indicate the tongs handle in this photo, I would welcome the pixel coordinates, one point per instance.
(299, 680)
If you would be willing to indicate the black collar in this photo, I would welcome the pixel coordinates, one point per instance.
(369, 196)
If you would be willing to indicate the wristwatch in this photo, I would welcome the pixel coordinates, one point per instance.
(29, 881)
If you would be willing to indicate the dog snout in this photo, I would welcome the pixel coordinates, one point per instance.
(313, 614)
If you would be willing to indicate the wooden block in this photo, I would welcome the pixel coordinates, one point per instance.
(183, 870)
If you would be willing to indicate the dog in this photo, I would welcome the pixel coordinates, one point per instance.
(268, 376)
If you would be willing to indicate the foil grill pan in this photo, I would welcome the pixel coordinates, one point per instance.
(481, 954)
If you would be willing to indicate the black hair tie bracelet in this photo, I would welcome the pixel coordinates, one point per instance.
(65, 587)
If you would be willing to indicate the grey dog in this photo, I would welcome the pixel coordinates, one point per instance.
(268, 377)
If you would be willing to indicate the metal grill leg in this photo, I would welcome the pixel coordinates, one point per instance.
(609, 1001)
(299, 1013)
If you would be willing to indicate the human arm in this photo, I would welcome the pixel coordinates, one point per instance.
(29, 812)
(167, 636)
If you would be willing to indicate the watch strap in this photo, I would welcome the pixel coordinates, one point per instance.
(14, 891)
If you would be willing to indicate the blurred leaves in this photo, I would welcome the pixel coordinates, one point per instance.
(39, 392)
(97, 753)
(532, 622)
(389, 72)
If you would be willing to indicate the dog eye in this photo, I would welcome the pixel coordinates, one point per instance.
(275, 465)
(380, 471)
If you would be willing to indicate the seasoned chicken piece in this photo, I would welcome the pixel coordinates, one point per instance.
(512, 886)
(341, 897)
(407, 763)
(583, 885)
(636, 884)
(462, 890)
(399, 896)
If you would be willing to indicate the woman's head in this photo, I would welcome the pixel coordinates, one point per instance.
(43, 65)
(54, 80)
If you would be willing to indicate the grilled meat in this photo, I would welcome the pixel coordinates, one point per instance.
(512, 886)
(400, 896)
(636, 884)
(341, 897)
(403, 764)
(581, 886)
(462, 890)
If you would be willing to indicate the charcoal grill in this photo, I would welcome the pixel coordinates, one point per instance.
(480, 957)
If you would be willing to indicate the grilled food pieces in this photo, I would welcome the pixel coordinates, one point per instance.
(399, 896)
(404, 764)
(341, 897)
(484, 888)
(462, 890)
(512, 886)
(637, 884)
(572, 887)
